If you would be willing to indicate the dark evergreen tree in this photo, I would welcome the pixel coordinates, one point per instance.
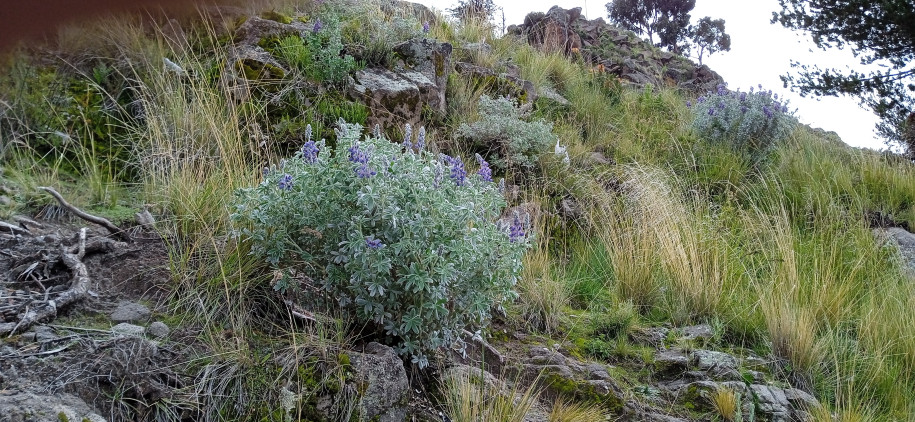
(878, 32)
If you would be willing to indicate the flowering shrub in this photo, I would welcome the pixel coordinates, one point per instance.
(510, 141)
(746, 120)
(402, 237)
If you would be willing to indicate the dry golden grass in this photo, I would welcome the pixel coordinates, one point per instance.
(468, 400)
(726, 403)
(565, 411)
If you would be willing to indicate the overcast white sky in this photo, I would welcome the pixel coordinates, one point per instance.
(760, 53)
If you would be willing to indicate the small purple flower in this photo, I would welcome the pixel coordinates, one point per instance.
(700, 100)
(721, 105)
(711, 112)
(516, 230)
(266, 172)
(722, 90)
(286, 182)
(743, 109)
(373, 243)
(421, 139)
(310, 152)
(485, 172)
(743, 96)
(767, 112)
(408, 137)
(775, 96)
(357, 155)
(689, 104)
(365, 172)
(318, 26)
(458, 174)
(425, 27)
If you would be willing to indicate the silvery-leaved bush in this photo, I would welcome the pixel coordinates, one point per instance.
(753, 121)
(404, 238)
(509, 140)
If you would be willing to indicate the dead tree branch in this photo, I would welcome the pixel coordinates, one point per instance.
(115, 230)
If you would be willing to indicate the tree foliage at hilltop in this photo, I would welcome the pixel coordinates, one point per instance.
(709, 37)
(669, 19)
(881, 33)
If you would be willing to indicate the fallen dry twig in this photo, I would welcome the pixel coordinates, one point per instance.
(115, 230)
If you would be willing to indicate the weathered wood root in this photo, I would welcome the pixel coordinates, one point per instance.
(115, 230)
(10, 228)
(72, 258)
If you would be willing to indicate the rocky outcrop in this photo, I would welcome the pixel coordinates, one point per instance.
(562, 376)
(614, 50)
(400, 95)
(499, 84)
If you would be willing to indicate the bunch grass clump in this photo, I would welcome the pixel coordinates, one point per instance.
(403, 238)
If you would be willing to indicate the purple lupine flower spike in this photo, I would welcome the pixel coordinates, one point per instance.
(318, 26)
(285, 182)
(421, 139)
(485, 172)
(408, 137)
(458, 174)
(426, 27)
(516, 230)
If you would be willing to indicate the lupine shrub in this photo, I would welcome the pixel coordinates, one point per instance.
(404, 238)
(506, 139)
(748, 121)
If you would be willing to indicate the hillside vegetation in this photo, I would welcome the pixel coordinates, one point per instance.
(623, 208)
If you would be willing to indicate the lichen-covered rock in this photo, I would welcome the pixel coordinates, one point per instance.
(383, 380)
(393, 98)
(255, 29)
(767, 402)
(500, 84)
(561, 376)
(671, 362)
(433, 60)
(719, 365)
(399, 96)
(904, 241)
(28, 407)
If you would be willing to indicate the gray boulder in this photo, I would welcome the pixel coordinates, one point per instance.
(386, 387)
(28, 407)
(158, 329)
(399, 96)
(130, 312)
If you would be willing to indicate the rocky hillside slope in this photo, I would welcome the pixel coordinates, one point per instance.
(671, 274)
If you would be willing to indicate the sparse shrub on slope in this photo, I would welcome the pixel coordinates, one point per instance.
(318, 54)
(403, 238)
(506, 138)
(751, 121)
